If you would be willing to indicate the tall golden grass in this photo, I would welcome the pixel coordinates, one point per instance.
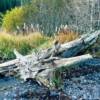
(66, 36)
(24, 44)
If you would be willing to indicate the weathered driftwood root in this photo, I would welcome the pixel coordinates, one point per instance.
(42, 72)
(46, 75)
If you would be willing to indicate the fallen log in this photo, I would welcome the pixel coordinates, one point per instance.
(74, 47)
(69, 49)
(41, 65)
(44, 72)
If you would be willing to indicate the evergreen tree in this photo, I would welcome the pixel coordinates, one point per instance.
(8, 4)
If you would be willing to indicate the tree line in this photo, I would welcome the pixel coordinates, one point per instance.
(9, 4)
(80, 15)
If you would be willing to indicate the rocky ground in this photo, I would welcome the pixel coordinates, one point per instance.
(77, 84)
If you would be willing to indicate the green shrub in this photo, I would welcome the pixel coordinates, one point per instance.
(13, 18)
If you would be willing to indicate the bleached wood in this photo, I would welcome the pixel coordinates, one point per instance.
(45, 76)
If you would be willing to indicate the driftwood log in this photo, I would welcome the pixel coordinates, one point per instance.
(42, 64)
(46, 75)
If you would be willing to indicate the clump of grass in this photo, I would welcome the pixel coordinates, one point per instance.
(66, 36)
(57, 78)
(24, 44)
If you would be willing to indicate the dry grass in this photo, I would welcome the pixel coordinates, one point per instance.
(66, 36)
(24, 44)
